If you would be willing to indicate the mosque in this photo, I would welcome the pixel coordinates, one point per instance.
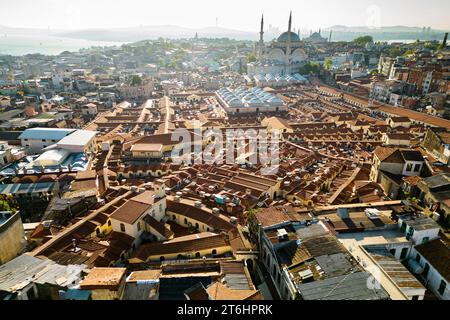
(284, 56)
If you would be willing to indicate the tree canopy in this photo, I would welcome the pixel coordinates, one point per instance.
(310, 68)
(136, 80)
(363, 40)
(251, 57)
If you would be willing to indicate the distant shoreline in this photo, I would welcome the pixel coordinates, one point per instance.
(19, 45)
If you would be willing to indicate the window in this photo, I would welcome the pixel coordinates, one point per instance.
(109, 223)
(415, 298)
(162, 258)
(409, 167)
(403, 253)
(197, 254)
(139, 226)
(185, 221)
(425, 239)
(418, 257)
(43, 140)
(196, 226)
(214, 251)
(417, 167)
(122, 227)
(442, 287)
(174, 217)
(97, 231)
(160, 207)
(426, 269)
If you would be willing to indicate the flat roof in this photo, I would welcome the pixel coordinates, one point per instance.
(103, 277)
(351, 286)
(78, 138)
(45, 133)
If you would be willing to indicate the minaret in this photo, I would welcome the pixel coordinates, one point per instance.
(331, 33)
(299, 33)
(288, 48)
(261, 37)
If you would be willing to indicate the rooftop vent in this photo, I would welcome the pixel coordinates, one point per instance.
(198, 204)
(282, 234)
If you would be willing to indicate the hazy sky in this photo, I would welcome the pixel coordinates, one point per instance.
(235, 14)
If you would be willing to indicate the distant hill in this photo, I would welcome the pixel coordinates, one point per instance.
(154, 32)
(340, 33)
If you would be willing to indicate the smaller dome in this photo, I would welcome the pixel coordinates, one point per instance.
(284, 37)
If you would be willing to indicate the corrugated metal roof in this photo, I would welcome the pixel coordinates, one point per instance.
(25, 269)
(353, 286)
(45, 133)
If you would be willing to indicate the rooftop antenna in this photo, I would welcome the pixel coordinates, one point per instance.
(217, 22)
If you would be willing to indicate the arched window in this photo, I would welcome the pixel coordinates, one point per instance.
(174, 217)
(97, 231)
(197, 254)
(109, 223)
(196, 226)
(162, 258)
(185, 220)
(214, 251)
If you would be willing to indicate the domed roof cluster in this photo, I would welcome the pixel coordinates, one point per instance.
(243, 97)
(285, 36)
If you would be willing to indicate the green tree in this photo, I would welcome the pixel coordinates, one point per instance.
(362, 41)
(251, 57)
(136, 80)
(4, 206)
(328, 64)
(394, 52)
(310, 68)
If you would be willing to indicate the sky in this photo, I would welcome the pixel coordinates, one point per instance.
(234, 14)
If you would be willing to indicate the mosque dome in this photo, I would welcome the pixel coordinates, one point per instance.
(284, 37)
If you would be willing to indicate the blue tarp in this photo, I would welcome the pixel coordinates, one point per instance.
(75, 294)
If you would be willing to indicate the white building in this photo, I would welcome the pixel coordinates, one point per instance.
(80, 141)
(36, 139)
(130, 218)
(243, 100)
(430, 260)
